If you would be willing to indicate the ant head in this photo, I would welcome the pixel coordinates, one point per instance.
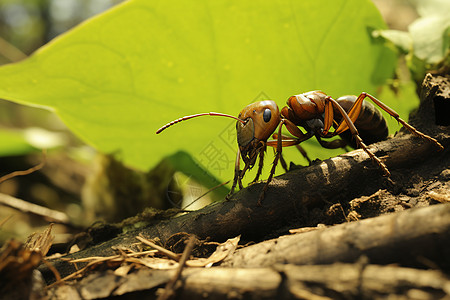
(260, 121)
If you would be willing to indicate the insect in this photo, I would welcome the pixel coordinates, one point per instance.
(316, 113)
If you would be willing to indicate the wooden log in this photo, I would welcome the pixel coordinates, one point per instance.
(317, 282)
(418, 237)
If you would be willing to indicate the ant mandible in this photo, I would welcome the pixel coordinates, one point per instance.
(314, 111)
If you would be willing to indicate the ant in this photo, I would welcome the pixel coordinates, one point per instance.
(315, 112)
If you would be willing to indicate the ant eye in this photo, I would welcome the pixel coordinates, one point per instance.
(267, 115)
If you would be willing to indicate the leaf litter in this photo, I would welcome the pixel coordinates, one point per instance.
(157, 258)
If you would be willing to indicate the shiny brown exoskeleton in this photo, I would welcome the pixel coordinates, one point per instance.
(315, 112)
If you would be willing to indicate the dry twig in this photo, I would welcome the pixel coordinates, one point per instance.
(27, 207)
(166, 252)
(27, 171)
(170, 288)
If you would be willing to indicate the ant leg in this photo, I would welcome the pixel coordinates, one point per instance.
(241, 175)
(260, 165)
(303, 153)
(237, 175)
(360, 143)
(283, 163)
(289, 141)
(395, 115)
(335, 144)
(293, 129)
(275, 162)
(347, 123)
(328, 114)
(355, 109)
(299, 136)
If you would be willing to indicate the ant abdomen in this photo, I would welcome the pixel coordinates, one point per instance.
(372, 126)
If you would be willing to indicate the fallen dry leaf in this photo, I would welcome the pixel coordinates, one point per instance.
(222, 251)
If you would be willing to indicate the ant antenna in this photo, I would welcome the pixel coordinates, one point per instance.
(197, 115)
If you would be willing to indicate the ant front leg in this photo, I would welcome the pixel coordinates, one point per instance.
(280, 143)
(283, 163)
(237, 175)
(289, 141)
(274, 164)
(260, 164)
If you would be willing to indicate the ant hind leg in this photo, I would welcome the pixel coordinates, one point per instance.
(396, 116)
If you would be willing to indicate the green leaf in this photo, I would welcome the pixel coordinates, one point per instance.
(401, 39)
(427, 37)
(430, 31)
(118, 77)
